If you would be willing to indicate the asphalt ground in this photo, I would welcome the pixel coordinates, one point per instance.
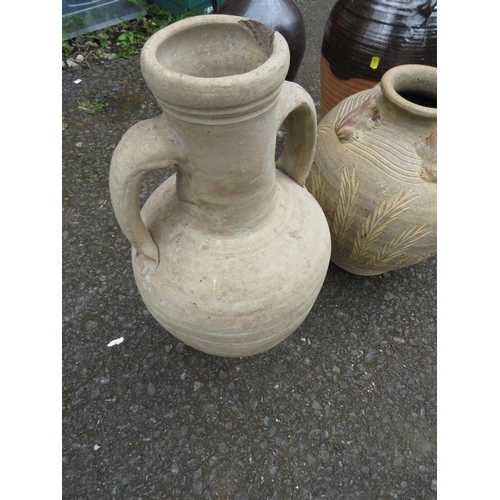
(345, 408)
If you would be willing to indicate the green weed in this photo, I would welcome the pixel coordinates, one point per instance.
(121, 40)
(92, 107)
(130, 43)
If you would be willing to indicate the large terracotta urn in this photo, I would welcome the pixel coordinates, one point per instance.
(375, 173)
(230, 253)
(365, 38)
(283, 16)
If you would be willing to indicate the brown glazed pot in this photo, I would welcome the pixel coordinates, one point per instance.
(230, 253)
(281, 15)
(365, 38)
(375, 173)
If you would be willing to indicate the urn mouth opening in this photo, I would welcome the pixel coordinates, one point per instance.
(217, 50)
(215, 61)
(413, 88)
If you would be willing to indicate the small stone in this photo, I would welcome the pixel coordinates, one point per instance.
(389, 296)
(71, 63)
(79, 58)
(79, 144)
(398, 458)
(210, 409)
(316, 405)
(151, 389)
(370, 355)
(96, 447)
(198, 488)
(90, 325)
(197, 386)
(434, 485)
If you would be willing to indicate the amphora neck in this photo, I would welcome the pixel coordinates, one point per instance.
(217, 79)
(228, 178)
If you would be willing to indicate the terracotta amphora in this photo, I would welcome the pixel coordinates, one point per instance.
(230, 253)
(375, 173)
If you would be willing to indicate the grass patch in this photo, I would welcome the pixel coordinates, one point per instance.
(119, 41)
(92, 107)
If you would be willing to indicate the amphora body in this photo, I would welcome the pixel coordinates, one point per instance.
(230, 253)
(375, 173)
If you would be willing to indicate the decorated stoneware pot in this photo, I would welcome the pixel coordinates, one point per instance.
(375, 173)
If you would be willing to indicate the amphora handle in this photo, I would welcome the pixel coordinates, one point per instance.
(148, 145)
(297, 112)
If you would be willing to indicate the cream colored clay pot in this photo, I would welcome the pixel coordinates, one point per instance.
(230, 253)
(375, 173)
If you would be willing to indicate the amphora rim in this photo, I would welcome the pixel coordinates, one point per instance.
(189, 63)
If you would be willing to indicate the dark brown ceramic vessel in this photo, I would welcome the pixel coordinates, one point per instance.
(365, 38)
(281, 15)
